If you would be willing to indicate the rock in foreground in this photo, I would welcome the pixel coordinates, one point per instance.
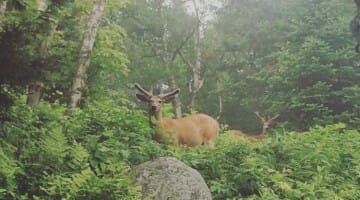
(167, 178)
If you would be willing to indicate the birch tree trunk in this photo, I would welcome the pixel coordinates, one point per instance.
(79, 81)
(197, 81)
(35, 86)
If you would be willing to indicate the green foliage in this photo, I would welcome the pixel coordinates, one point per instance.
(114, 132)
(289, 57)
(322, 163)
(47, 154)
(293, 57)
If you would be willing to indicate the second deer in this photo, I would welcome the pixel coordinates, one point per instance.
(266, 122)
(192, 130)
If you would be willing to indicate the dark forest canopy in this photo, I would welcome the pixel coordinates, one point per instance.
(68, 68)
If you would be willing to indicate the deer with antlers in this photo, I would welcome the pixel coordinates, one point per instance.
(266, 122)
(192, 130)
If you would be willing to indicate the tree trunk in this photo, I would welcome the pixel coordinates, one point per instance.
(35, 86)
(196, 81)
(83, 63)
(176, 102)
(167, 59)
(34, 93)
(356, 30)
(3, 6)
(220, 97)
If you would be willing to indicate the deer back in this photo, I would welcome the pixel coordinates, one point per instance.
(191, 130)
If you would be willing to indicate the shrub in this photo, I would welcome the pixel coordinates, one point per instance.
(47, 154)
(322, 163)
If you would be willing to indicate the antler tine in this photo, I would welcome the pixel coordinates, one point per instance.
(275, 116)
(142, 90)
(258, 115)
(171, 93)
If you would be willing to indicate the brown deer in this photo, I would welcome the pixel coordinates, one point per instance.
(192, 130)
(266, 122)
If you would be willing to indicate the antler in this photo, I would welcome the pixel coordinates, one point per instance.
(273, 118)
(259, 116)
(170, 93)
(142, 90)
(266, 118)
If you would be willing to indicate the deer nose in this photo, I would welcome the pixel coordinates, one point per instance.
(153, 108)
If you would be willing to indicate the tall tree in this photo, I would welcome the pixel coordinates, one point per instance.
(79, 81)
(2, 11)
(35, 86)
(197, 80)
(168, 57)
(163, 29)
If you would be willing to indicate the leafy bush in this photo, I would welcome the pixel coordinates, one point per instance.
(47, 154)
(322, 163)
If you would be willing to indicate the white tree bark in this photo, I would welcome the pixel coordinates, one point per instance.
(79, 81)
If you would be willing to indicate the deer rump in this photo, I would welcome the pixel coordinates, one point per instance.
(191, 130)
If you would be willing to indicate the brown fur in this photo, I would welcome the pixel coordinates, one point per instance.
(192, 130)
(265, 123)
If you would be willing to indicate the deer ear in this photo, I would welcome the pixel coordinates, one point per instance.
(170, 96)
(169, 99)
(142, 97)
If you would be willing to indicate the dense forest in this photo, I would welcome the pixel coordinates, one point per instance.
(71, 126)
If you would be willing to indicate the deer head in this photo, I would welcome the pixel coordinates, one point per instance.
(155, 102)
(266, 121)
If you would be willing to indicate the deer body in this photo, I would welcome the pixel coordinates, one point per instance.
(192, 130)
(252, 138)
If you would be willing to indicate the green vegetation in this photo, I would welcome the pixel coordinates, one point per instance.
(322, 163)
(288, 57)
(46, 154)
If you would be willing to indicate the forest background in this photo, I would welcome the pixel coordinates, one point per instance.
(71, 128)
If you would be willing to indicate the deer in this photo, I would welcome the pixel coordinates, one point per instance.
(191, 130)
(266, 122)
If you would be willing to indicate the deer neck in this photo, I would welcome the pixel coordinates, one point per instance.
(263, 130)
(158, 117)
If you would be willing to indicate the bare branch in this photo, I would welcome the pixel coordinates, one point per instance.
(189, 64)
(182, 44)
(274, 117)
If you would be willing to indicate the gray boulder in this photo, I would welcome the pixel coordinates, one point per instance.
(166, 178)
